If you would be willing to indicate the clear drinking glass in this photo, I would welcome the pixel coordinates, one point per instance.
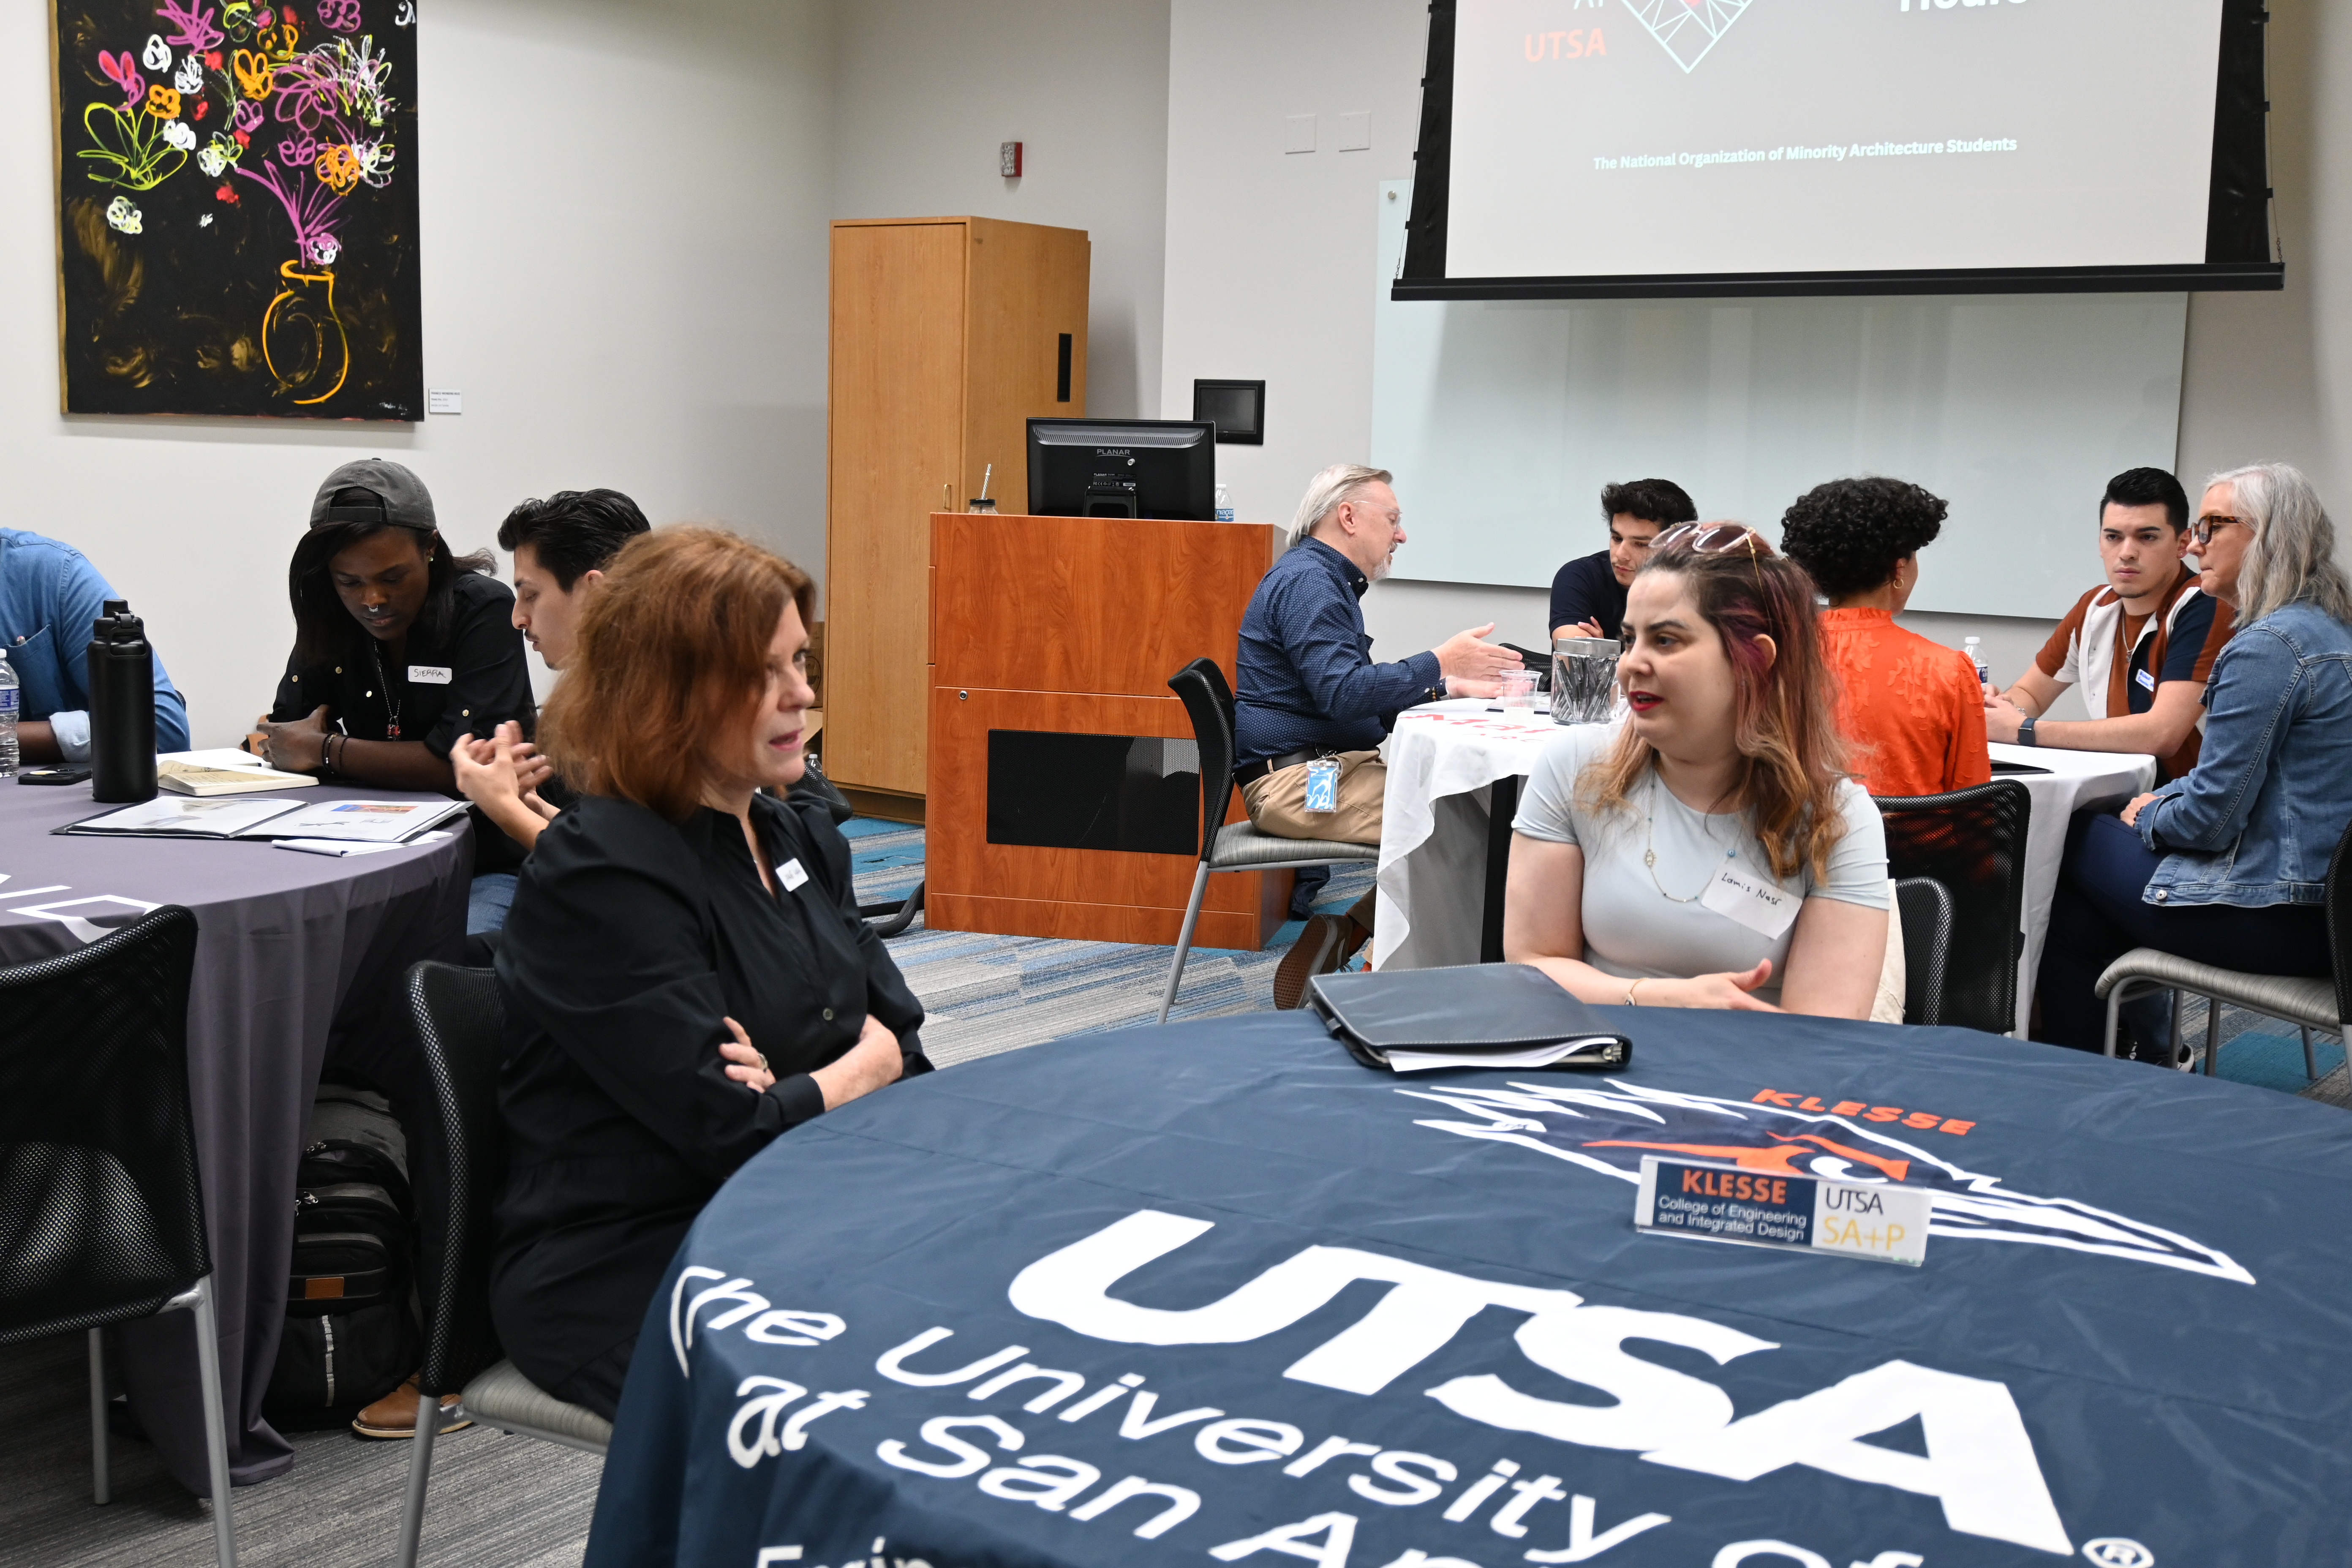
(1583, 679)
(1516, 688)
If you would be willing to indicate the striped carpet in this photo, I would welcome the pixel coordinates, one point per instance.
(508, 1503)
(991, 994)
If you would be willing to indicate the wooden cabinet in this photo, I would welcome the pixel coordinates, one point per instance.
(948, 333)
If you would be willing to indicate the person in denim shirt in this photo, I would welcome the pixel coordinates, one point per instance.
(49, 596)
(2228, 864)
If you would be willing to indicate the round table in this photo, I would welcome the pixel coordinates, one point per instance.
(290, 947)
(1216, 1293)
(1442, 854)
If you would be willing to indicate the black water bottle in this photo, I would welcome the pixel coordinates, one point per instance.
(121, 707)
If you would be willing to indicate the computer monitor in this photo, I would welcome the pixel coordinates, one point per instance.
(1123, 468)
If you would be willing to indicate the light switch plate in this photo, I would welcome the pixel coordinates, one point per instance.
(444, 400)
(1299, 134)
(1356, 133)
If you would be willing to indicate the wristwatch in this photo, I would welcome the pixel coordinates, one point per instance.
(2025, 732)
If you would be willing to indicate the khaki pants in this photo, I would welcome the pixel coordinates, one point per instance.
(1277, 803)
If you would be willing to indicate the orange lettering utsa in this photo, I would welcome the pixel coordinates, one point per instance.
(1924, 1121)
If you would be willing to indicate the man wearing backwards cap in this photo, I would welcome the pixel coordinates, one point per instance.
(399, 647)
(400, 651)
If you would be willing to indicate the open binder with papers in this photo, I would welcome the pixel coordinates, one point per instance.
(1468, 1016)
(249, 817)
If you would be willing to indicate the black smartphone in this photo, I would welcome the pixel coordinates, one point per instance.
(67, 775)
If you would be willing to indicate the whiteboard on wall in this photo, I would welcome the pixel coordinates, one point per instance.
(1503, 419)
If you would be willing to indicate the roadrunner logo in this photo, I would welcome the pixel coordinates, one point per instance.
(1610, 1130)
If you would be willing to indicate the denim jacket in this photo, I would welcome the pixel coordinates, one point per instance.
(2255, 822)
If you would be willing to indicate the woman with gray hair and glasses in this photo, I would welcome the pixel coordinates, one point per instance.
(2229, 864)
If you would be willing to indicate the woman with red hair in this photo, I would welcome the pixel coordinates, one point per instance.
(1710, 851)
(684, 971)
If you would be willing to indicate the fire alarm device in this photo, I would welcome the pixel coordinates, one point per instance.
(1008, 159)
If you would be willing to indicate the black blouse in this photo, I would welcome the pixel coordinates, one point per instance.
(474, 677)
(630, 940)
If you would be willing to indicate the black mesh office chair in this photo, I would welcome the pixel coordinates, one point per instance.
(1971, 843)
(1927, 912)
(2320, 1001)
(1233, 846)
(102, 1214)
(455, 1156)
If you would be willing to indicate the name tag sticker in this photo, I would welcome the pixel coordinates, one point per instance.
(2146, 680)
(1765, 908)
(1872, 1220)
(792, 873)
(428, 675)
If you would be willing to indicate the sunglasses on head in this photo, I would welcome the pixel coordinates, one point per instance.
(1711, 538)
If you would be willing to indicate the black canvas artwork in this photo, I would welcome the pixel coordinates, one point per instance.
(237, 208)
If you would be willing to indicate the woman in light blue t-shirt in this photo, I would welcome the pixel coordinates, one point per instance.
(1709, 850)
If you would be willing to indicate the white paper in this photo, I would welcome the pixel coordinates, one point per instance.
(1765, 908)
(792, 873)
(216, 816)
(218, 757)
(360, 821)
(429, 674)
(1527, 1057)
(333, 847)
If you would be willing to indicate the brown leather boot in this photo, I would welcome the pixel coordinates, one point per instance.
(395, 1415)
(1317, 950)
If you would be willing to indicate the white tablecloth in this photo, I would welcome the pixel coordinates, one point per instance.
(1433, 875)
(1443, 757)
(2075, 779)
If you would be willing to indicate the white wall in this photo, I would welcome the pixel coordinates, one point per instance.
(619, 302)
(1270, 254)
(925, 92)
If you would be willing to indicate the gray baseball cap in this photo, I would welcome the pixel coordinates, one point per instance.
(399, 497)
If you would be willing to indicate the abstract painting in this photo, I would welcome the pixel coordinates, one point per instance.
(237, 208)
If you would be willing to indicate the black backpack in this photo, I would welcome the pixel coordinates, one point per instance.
(351, 1334)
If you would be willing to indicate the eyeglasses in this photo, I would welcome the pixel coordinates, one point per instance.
(1710, 539)
(2204, 528)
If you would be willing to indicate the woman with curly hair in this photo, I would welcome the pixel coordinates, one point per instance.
(1710, 851)
(1913, 710)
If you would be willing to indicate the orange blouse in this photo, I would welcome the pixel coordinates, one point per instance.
(1910, 709)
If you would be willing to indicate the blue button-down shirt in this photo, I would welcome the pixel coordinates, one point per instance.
(1307, 673)
(49, 596)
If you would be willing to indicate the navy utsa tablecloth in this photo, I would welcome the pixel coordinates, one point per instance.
(1216, 1293)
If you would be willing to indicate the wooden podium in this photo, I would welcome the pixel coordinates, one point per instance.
(1060, 765)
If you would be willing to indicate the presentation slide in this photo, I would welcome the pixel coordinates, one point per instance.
(1610, 137)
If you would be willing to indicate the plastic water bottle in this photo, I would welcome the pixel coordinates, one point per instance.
(8, 688)
(1224, 505)
(1977, 658)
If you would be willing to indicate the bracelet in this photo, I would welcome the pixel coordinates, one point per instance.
(1629, 992)
(325, 767)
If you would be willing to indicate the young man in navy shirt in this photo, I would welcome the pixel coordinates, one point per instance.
(1588, 595)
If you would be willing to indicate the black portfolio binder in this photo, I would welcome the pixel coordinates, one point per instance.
(1506, 1011)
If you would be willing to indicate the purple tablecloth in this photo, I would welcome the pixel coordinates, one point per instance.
(292, 948)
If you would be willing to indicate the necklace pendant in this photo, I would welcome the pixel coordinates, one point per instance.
(391, 731)
(1650, 858)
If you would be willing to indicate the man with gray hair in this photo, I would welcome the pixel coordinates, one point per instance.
(1309, 690)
